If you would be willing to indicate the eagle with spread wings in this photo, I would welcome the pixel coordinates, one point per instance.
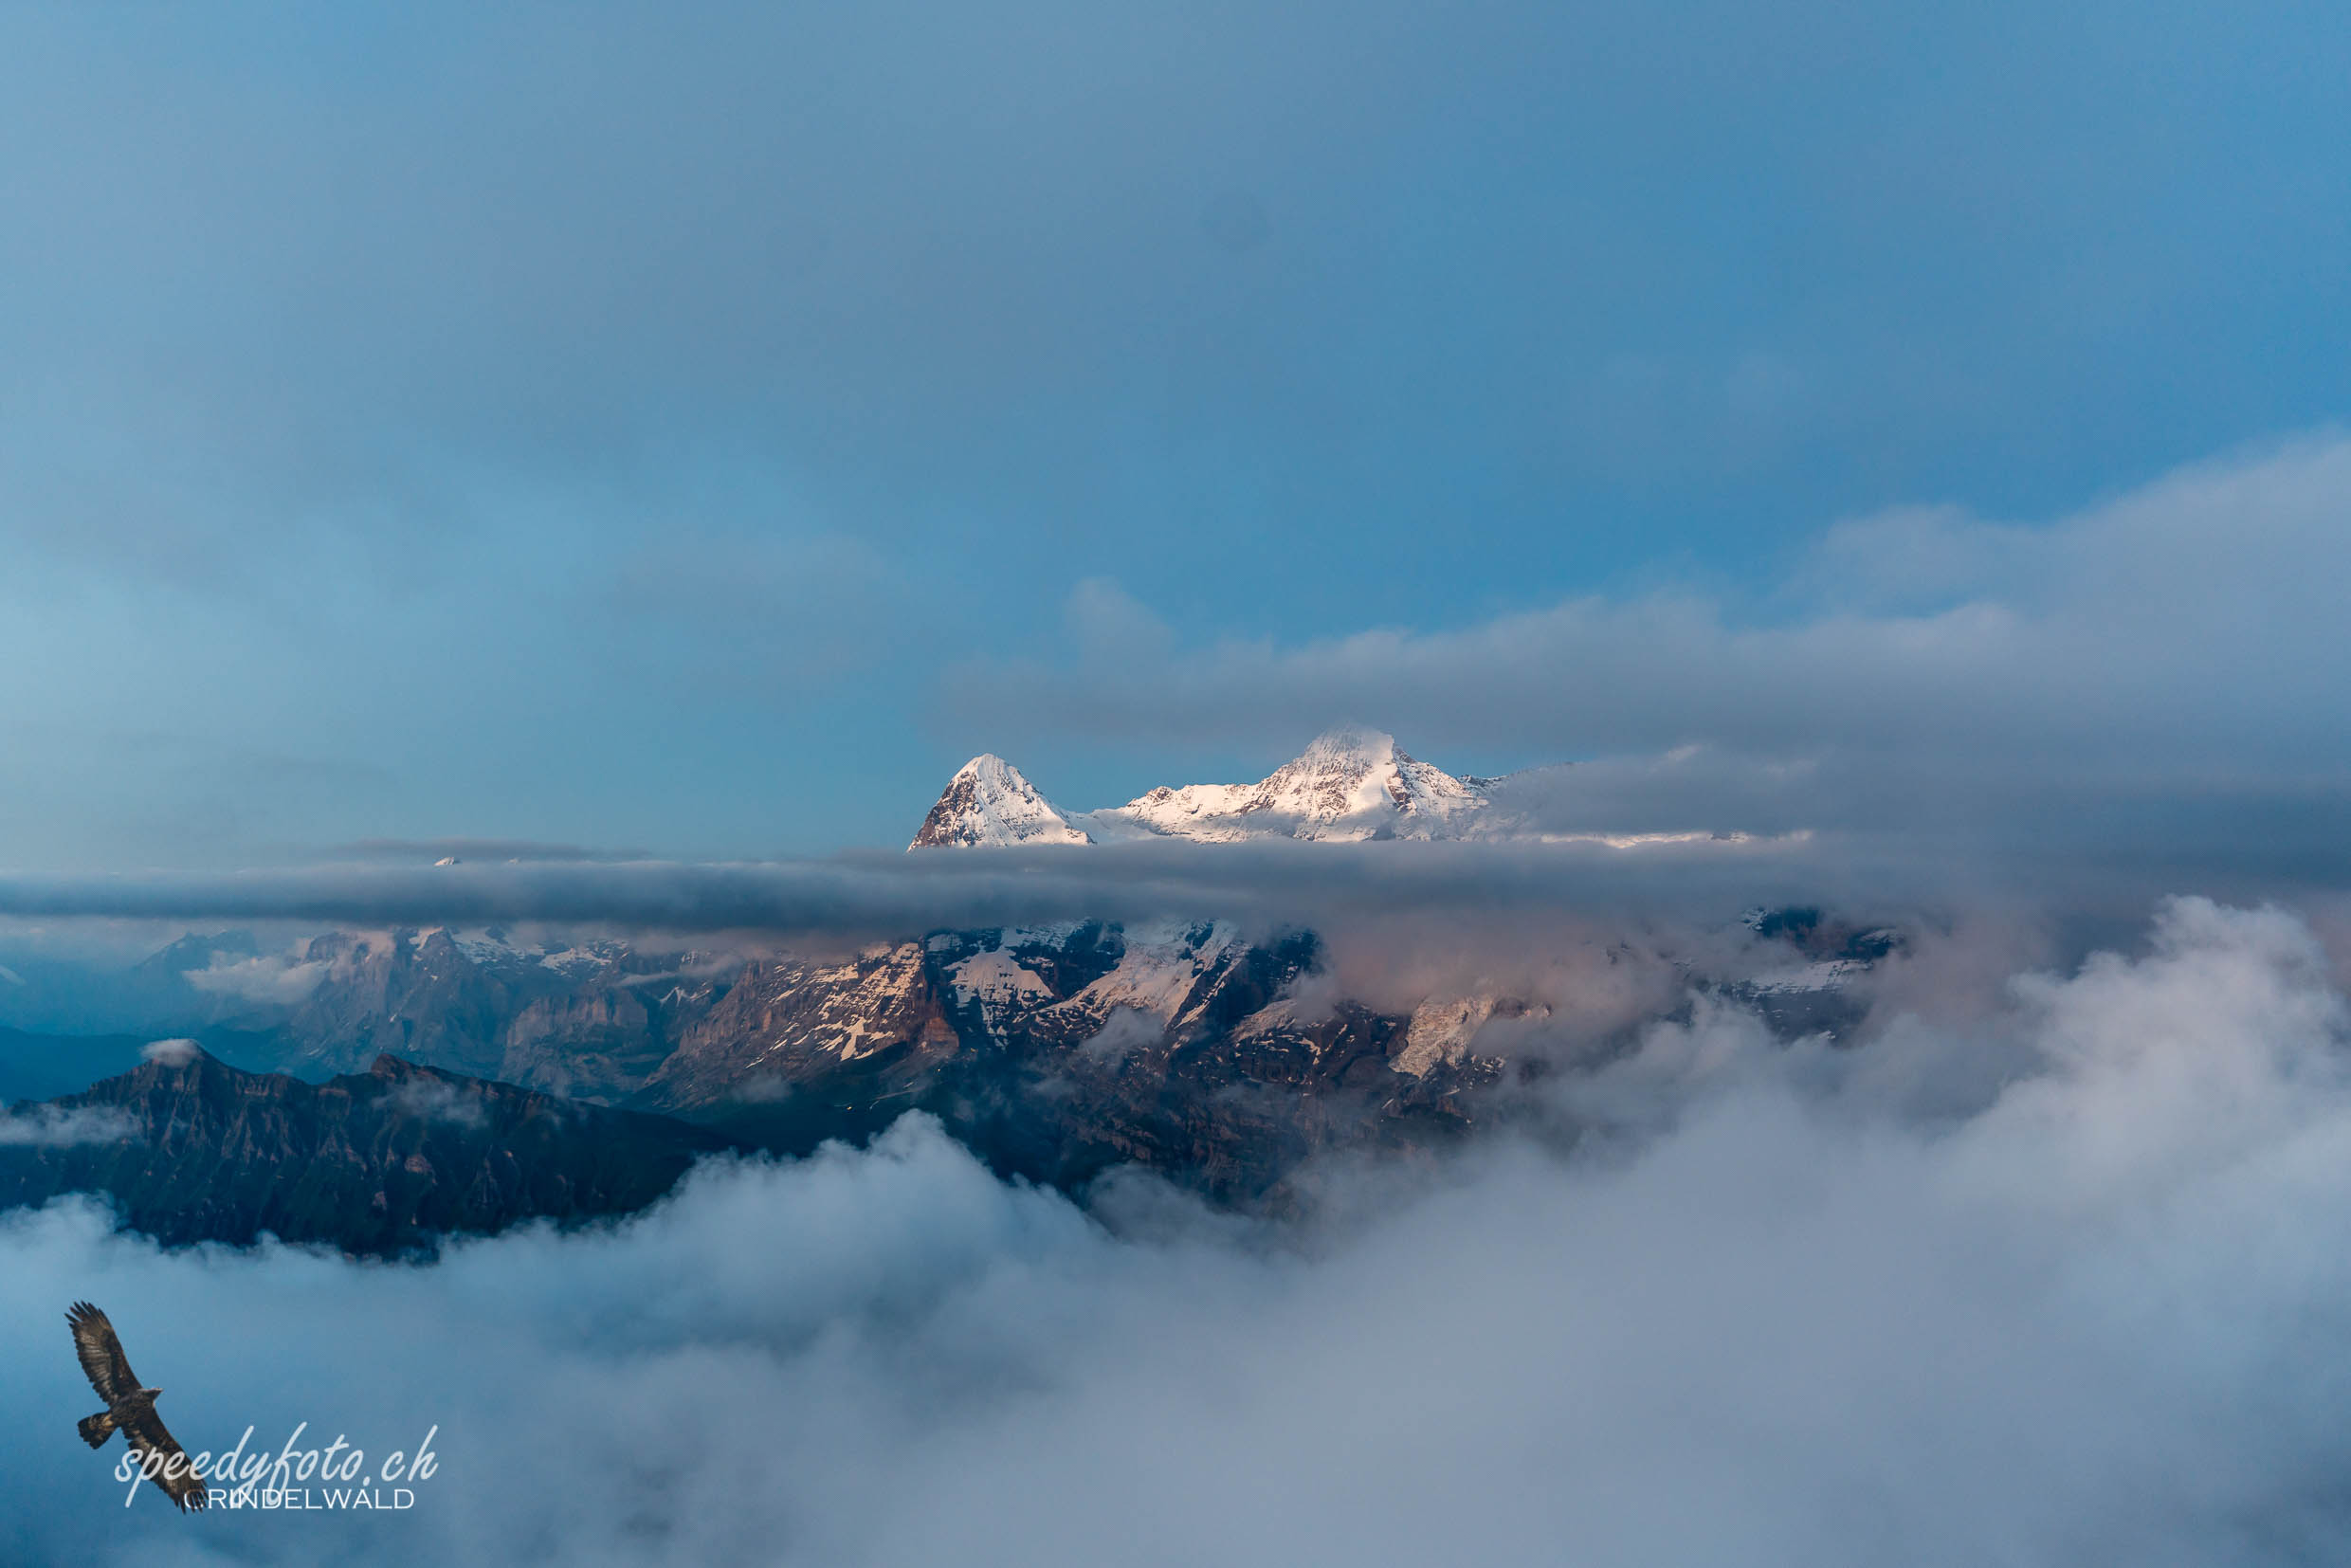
(130, 1408)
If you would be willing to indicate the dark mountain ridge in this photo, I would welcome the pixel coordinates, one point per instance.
(190, 1149)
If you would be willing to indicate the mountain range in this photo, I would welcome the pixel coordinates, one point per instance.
(1222, 1059)
(1350, 784)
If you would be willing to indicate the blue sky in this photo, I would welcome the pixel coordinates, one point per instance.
(578, 425)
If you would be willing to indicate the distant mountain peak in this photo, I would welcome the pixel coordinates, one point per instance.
(990, 803)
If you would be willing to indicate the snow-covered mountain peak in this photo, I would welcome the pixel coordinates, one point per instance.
(990, 803)
(1349, 783)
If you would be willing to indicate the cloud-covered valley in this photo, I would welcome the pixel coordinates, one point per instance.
(1733, 1302)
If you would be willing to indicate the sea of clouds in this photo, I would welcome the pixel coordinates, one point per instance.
(2065, 1280)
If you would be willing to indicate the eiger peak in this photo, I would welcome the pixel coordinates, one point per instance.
(989, 802)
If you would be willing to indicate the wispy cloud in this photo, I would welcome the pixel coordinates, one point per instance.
(48, 1127)
(435, 850)
(436, 1100)
(272, 977)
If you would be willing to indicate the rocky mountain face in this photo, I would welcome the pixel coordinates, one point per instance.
(1221, 1060)
(1054, 1052)
(590, 1021)
(1057, 1053)
(802, 1051)
(990, 802)
(1349, 785)
(190, 1149)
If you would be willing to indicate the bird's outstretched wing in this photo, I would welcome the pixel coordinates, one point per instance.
(100, 1354)
(148, 1435)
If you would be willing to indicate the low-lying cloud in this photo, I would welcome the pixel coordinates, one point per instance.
(1328, 887)
(434, 850)
(909, 894)
(50, 1127)
(270, 978)
(1765, 1307)
(436, 1100)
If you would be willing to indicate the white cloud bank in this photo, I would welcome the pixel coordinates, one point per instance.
(2100, 1313)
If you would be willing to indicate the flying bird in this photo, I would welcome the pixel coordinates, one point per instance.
(130, 1408)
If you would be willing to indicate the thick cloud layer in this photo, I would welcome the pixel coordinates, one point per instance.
(907, 895)
(2088, 1302)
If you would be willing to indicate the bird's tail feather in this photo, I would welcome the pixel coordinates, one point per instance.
(96, 1429)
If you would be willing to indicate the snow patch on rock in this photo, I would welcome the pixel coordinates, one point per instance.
(1440, 1032)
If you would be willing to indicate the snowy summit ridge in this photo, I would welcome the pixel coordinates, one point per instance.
(1349, 785)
